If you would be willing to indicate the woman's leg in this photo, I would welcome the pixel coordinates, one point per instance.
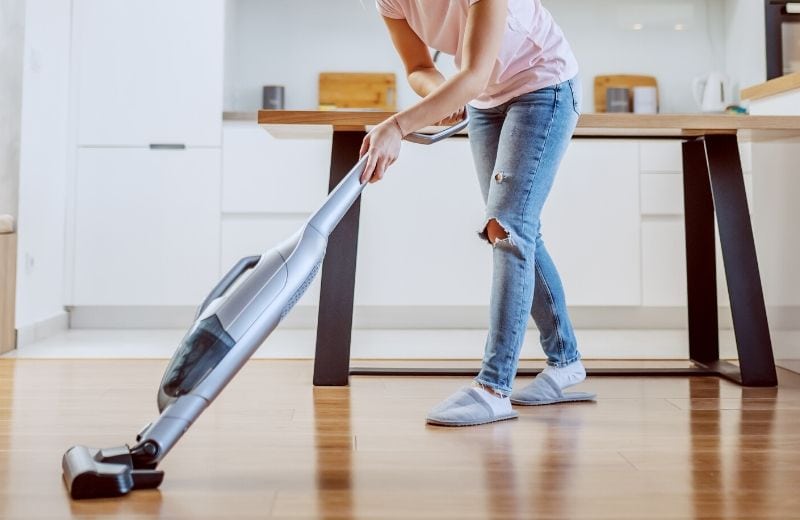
(517, 148)
(484, 138)
(549, 311)
(534, 136)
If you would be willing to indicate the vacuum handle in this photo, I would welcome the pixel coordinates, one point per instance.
(420, 138)
(223, 285)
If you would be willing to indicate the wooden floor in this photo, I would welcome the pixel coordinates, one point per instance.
(273, 446)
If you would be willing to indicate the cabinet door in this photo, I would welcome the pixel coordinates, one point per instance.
(265, 174)
(664, 264)
(148, 71)
(146, 226)
(590, 224)
(418, 242)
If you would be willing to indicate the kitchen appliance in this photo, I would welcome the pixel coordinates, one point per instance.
(273, 97)
(712, 92)
(783, 37)
(235, 318)
(645, 100)
(618, 99)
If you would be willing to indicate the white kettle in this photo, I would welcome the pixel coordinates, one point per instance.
(712, 92)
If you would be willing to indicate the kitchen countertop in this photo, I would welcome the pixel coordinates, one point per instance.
(240, 116)
(773, 87)
(752, 128)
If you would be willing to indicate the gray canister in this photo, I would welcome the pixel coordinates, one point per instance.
(273, 97)
(618, 99)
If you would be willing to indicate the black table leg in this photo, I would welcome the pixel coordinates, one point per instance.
(335, 321)
(756, 361)
(701, 273)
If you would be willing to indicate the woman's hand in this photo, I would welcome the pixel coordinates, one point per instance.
(383, 146)
(453, 119)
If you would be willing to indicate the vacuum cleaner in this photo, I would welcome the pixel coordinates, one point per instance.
(237, 316)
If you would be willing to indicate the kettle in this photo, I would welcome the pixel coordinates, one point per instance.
(712, 92)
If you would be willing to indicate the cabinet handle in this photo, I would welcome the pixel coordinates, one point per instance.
(167, 146)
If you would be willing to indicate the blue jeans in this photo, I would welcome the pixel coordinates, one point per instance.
(517, 148)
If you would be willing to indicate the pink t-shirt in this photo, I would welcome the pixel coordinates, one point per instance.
(534, 54)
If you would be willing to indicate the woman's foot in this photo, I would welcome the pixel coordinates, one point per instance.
(470, 406)
(548, 386)
(568, 375)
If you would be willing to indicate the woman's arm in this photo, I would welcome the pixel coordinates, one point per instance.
(483, 36)
(486, 22)
(422, 74)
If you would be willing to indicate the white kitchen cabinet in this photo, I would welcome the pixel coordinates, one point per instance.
(662, 194)
(146, 226)
(664, 264)
(264, 174)
(591, 223)
(666, 156)
(661, 156)
(418, 242)
(148, 71)
(776, 214)
(417, 237)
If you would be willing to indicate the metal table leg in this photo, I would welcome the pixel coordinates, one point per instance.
(701, 272)
(332, 358)
(756, 361)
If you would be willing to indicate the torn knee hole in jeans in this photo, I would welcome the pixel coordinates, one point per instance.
(498, 235)
(500, 176)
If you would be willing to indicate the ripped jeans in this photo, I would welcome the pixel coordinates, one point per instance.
(517, 148)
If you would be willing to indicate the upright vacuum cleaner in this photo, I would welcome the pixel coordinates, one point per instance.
(231, 323)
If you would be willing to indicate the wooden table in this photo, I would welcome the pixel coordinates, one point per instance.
(713, 185)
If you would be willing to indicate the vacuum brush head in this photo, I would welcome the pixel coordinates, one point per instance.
(109, 472)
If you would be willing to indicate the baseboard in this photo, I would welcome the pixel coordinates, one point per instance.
(391, 317)
(42, 329)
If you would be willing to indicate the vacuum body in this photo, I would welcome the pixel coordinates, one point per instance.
(237, 316)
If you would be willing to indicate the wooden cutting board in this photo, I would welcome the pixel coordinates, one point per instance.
(601, 83)
(357, 90)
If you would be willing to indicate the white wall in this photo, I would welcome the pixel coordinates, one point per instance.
(601, 34)
(43, 163)
(275, 42)
(12, 28)
(746, 60)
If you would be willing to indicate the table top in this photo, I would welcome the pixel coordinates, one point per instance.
(756, 128)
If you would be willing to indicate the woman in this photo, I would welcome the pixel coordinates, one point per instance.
(519, 76)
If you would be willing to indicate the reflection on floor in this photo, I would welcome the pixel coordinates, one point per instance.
(275, 446)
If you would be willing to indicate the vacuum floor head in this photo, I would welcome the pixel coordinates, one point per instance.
(109, 472)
